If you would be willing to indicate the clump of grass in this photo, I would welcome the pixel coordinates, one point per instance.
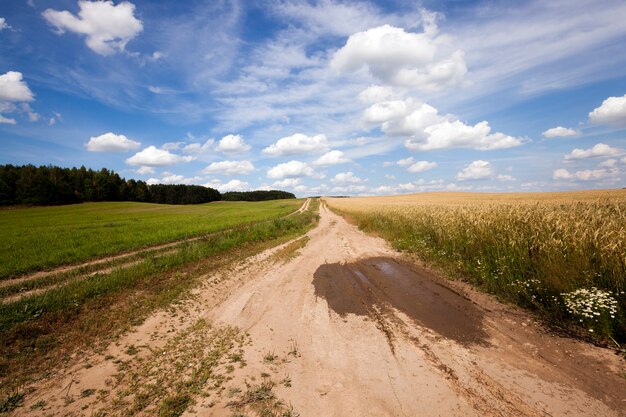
(530, 250)
(261, 400)
(131, 350)
(11, 401)
(270, 357)
(174, 406)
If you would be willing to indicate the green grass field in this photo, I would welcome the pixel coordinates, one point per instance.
(43, 237)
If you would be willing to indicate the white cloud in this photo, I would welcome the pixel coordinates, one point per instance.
(477, 170)
(173, 179)
(108, 27)
(232, 144)
(291, 169)
(199, 148)
(172, 146)
(153, 157)
(349, 189)
(32, 115)
(287, 183)
(383, 190)
(233, 185)
(612, 111)
(422, 166)
(7, 120)
(4, 24)
(56, 117)
(406, 161)
(598, 150)
(331, 158)
(110, 142)
(402, 58)
(426, 130)
(506, 178)
(13, 88)
(229, 168)
(459, 135)
(375, 93)
(609, 163)
(297, 144)
(585, 175)
(559, 131)
(145, 170)
(347, 178)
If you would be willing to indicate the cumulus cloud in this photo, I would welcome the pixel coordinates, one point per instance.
(291, 169)
(4, 24)
(110, 142)
(7, 120)
(406, 161)
(56, 117)
(232, 144)
(426, 129)
(287, 183)
(107, 27)
(199, 148)
(612, 111)
(172, 146)
(297, 144)
(145, 170)
(477, 170)
(13, 88)
(503, 177)
(229, 168)
(383, 190)
(347, 178)
(402, 58)
(584, 175)
(154, 157)
(560, 132)
(422, 166)
(375, 93)
(331, 158)
(609, 163)
(233, 185)
(598, 150)
(349, 189)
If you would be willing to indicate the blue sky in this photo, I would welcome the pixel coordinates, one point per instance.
(320, 97)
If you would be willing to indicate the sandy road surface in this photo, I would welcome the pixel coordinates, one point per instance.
(348, 328)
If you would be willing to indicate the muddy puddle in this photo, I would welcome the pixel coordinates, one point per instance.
(384, 284)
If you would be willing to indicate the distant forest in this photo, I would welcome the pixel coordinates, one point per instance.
(50, 185)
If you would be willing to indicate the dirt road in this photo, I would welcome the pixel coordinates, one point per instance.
(344, 327)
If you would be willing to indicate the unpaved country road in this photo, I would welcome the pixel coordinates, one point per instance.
(349, 328)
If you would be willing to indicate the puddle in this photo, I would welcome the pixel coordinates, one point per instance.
(356, 288)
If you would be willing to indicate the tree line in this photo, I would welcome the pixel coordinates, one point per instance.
(49, 185)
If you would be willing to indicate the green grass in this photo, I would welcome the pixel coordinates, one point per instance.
(43, 237)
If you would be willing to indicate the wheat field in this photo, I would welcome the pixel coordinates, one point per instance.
(562, 254)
